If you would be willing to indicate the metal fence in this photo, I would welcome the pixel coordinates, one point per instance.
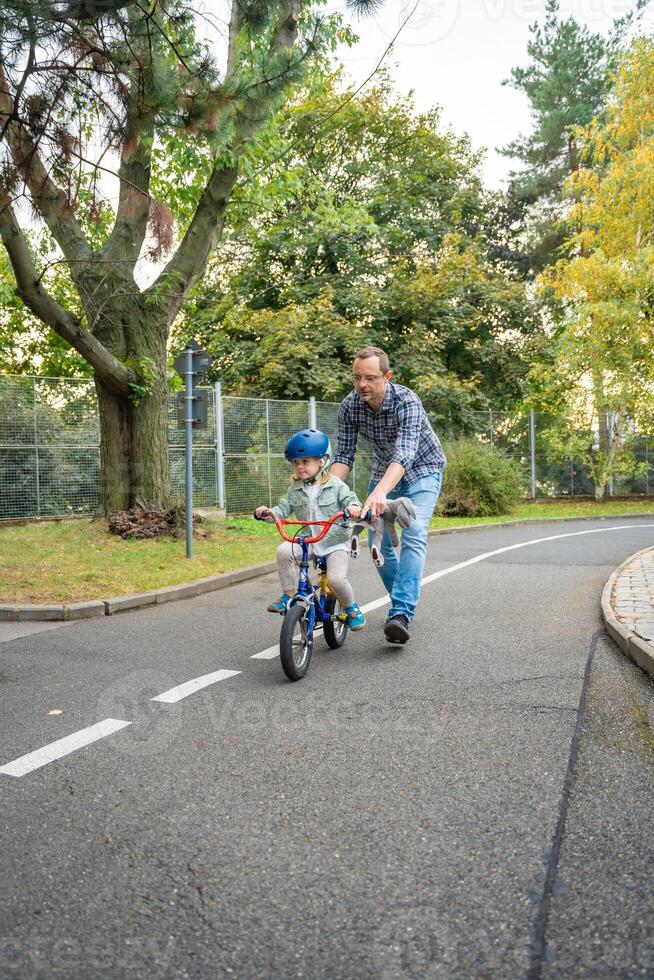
(49, 450)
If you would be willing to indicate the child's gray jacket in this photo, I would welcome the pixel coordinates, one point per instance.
(334, 495)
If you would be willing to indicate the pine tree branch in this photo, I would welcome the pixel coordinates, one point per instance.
(130, 225)
(234, 30)
(67, 325)
(208, 221)
(50, 200)
(90, 9)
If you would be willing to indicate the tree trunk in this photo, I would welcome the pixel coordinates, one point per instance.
(134, 464)
(604, 454)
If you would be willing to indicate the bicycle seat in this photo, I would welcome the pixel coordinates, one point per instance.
(320, 561)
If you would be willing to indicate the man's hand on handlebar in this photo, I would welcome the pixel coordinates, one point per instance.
(375, 503)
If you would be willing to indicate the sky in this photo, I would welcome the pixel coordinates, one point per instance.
(456, 53)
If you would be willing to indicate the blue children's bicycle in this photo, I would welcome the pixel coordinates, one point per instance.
(311, 604)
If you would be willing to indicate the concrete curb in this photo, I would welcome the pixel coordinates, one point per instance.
(637, 649)
(187, 590)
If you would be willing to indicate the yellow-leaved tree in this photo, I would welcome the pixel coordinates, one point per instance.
(600, 382)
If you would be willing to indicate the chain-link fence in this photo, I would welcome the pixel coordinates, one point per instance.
(205, 464)
(49, 447)
(49, 450)
(255, 431)
(523, 436)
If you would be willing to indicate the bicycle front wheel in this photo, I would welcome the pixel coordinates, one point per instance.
(295, 643)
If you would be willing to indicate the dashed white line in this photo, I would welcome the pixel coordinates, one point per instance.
(63, 746)
(269, 654)
(176, 694)
(86, 736)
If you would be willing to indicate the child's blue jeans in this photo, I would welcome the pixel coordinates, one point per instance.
(402, 576)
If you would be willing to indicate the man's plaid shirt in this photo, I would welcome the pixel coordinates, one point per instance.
(399, 432)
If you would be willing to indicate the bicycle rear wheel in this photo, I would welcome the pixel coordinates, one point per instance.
(335, 630)
(295, 643)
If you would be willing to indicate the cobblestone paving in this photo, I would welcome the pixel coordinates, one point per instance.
(633, 595)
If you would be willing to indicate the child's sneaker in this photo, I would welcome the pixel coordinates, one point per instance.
(279, 605)
(355, 618)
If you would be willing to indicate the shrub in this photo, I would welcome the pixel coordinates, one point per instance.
(479, 481)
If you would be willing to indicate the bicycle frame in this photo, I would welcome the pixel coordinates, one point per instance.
(306, 593)
(309, 604)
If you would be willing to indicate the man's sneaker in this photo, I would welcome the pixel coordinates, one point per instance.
(355, 618)
(279, 605)
(396, 629)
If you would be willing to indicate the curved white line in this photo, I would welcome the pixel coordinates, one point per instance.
(272, 652)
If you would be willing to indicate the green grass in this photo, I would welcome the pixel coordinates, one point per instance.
(72, 561)
(77, 560)
(554, 508)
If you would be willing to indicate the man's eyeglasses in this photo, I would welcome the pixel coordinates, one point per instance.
(368, 378)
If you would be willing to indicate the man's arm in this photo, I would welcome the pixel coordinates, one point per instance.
(340, 470)
(346, 446)
(406, 446)
(375, 502)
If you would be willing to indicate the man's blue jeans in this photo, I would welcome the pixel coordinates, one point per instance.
(402, 576)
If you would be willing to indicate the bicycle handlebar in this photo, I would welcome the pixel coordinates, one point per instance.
(280, 524)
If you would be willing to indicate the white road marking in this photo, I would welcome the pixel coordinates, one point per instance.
(268, 654)
(524, 544)
(176, 694)
(86, 736)
(272, 652)
(376, 603)
(62, 747)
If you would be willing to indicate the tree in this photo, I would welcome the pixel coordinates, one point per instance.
(131, 79)
(365, 221)
(27, 346)
(602, 377)
(567, 82)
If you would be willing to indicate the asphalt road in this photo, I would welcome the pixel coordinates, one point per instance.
(475, 804)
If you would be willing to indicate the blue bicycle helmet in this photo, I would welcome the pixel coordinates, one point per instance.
(308, 442)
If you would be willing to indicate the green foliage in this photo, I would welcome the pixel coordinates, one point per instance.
(479, 481)
(362, 220)
(146, 373)
(294, 352)
(599, 379)
(568, 81)
(26, 345)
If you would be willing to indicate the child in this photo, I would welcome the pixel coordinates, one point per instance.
(314, 494)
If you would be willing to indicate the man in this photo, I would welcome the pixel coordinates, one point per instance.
(408, 462)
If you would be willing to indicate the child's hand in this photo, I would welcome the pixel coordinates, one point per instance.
(262, 511)
(354, 511)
